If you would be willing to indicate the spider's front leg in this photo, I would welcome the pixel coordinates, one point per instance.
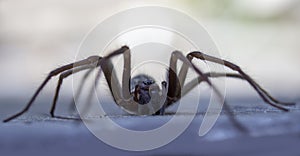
(204, 77)
(176, 83)
(123, 95)
(89, 61)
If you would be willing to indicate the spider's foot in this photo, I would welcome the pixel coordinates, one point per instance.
(160, 111)
(287, 103)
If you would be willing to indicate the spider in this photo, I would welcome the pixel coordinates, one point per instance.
(146, 97)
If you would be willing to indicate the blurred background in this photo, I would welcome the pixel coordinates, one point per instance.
(262, 36)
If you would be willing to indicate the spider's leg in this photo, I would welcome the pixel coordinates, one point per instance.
(55, 72)
(60, 81)
(175, 83)
(126, 75)
(263, 94)
(110, 75)
(77, 94)
(193, 83)
(121, 92)
(178, 55)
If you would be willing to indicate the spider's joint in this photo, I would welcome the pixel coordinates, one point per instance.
(93, 59)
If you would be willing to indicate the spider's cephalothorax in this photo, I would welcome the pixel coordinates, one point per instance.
(140, 87)
(148, 95)
(141, 94)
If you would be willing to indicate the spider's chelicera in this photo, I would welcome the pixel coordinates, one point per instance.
(141, 95)
(140, 87)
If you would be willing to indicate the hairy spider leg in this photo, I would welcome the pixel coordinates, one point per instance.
(89, 60)
(190, 85)
(263, 94)
(59, 83)
(78, 92)
(176, 55)
(110, 75)
(107, 68)
(193, 83)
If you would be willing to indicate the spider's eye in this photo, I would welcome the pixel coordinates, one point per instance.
(148, 82)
